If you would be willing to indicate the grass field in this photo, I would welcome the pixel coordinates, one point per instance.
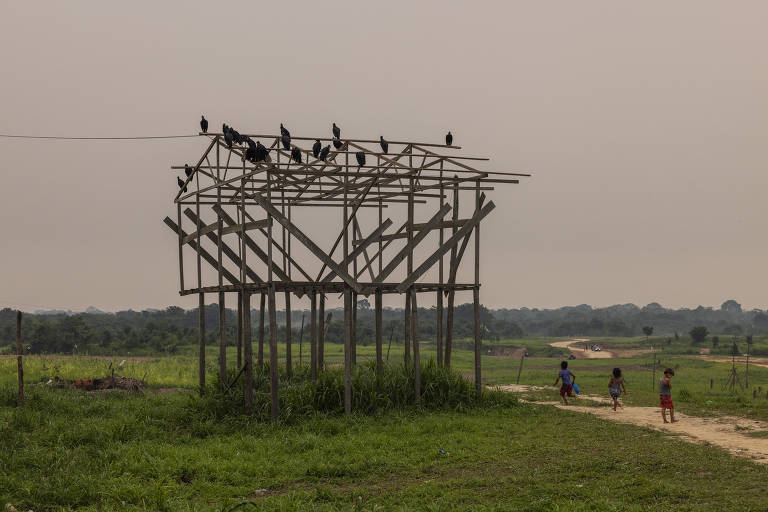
(74, 450)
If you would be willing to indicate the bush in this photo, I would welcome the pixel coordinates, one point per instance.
(299, 397)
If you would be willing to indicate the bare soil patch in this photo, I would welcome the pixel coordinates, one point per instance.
(729, 432)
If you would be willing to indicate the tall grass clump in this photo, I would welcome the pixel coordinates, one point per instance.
(393, 389)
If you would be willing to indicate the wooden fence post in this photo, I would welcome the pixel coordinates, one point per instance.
(19, 357)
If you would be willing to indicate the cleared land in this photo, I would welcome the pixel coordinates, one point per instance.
(77, 450)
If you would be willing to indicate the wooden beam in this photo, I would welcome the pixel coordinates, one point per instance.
(361, 247)
(379, 360)
(225, 249)
(222, 344)
(206, 256)
(273, 375)
(248, 352)
(423, 232)
(424, 267)
(201, 343)
(307, 242)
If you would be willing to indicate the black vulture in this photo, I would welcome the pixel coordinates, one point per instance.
(187, 170)
(224, 128)
(316, 148)
(204, 124)
(449, 139)
(261, 152)
(286, 140)
(250, 142)
(236, 136)
(384, 144)
(360, 155)
(336, 131)
(284, 130)
(181, 183)
(337, 143)
(296, 155)
(250, 153)
(228, 138)
(324, 152)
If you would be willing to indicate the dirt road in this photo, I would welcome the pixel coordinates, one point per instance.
(576, 346)
(727, 432)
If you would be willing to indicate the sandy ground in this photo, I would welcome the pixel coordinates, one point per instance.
(724, 431)
(576, 346)
(756, 361)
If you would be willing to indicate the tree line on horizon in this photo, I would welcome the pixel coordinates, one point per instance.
(165, 331)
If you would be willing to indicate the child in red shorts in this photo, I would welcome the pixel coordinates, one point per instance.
(568, 378)
(665, 395)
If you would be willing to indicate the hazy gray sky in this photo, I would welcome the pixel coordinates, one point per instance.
(644, 124)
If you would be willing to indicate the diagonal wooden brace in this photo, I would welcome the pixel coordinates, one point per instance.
(205, 254)
(466, 228)
(422, 233)
(231, 254)
(250, 243)
(307, 242)
(361, 247)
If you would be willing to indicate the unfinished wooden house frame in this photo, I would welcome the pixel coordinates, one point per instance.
(238, 219)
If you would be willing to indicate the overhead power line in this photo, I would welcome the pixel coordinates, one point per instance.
(142, 137)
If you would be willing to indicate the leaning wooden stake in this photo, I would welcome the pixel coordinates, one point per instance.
(520, 370)
(321, 330)
(19, 357)
(476, 298)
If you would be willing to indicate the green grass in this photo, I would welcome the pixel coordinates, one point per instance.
(73, 450)
(116, 451)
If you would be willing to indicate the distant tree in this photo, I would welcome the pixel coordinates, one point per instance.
(749, 340)
(677, 336)
(699, 334)
(731, 306)
(647, 330)
(363, 304)
(715, 341)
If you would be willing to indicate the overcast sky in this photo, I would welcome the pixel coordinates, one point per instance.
(644, 125)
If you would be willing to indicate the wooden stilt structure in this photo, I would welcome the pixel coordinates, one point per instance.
(234, 201)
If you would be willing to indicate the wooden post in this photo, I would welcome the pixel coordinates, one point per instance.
(416, 355)
(262, 298)
(313, 335)
(347, 350)
(439, 321)
(239, 328)
(223, 345)
(301, 339)
(379, 361)
(407, 330)
(321, 328)
(439, 302)
(476, 300)
(19, 359)
(353, 332)
(520, 370)
(288, 335)
(273, 374)
(201, 358)
(248, 351)
(451, 291)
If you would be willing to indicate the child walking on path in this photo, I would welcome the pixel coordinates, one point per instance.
(665, 396)
(568, 378)
(615, 387)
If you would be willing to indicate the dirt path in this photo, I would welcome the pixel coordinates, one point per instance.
(724, 431)
(576, 346)
(753, 361)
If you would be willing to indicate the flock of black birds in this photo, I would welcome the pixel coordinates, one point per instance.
(257, 152)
